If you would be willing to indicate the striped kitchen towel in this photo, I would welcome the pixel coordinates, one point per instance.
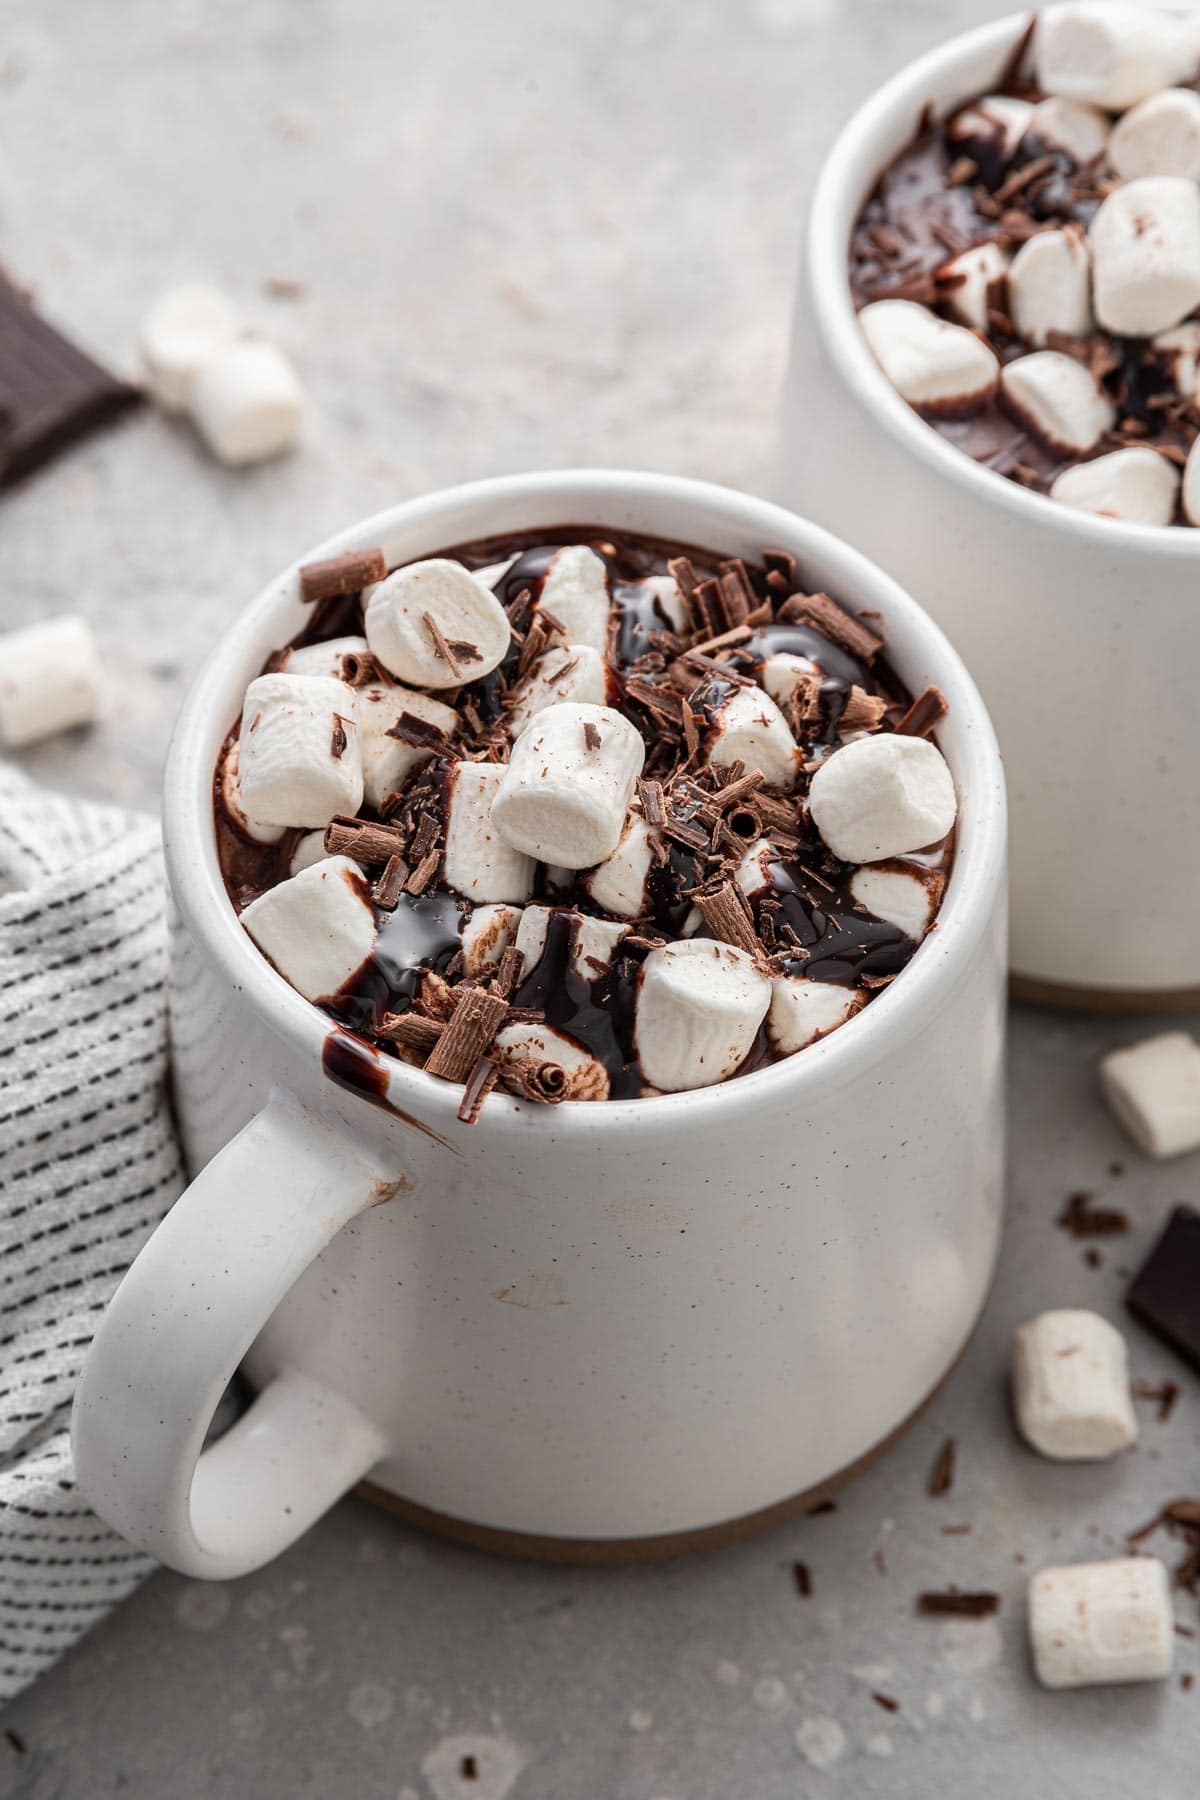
(88, 1165)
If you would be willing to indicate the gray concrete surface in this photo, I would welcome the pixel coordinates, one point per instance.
(530, 235)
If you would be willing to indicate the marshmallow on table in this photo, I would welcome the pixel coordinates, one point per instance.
(387, 762)
(996, 118)
(476, 860)
(326, 658)
(965, 281)
(182, 331)
(802, 1011)
(1091, 1623)
(699, 1006)
(575, 592)
(1160, 136)
(621, 883)
(1049, 286)
(1145, 243)
(1069, 125)
(746, 726)
(882, 796)
(1136, 484)
(468, 617)
(1179, 349)
(50, 680)
(942, 369)
(1070, 1382)
(318, 927)
(1111, 55)
(486, 933)
(1057, 399)
(1191, 485)
(247, 402)
(309, 850)
(902, 897)
(524, 1047)
(299, 751)
(231, 796)
(568, 783)
(1153, 1089)
(565, 673)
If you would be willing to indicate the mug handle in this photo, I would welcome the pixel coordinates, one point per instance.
(184, 1316)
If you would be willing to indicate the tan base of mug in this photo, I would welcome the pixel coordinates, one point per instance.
(647, 1549)
(1103, 1000)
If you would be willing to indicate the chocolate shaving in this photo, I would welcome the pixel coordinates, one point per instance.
(388, 889)
(424, 873)
(927, 710)
(336, 576)
(656, 700)
(803, 1580)
(941, 1478)
(409, 729)
(862, 711)
(1165, 1393)
(833, 622)
(508, 974)
(477, 1017)
(1082, 1218)
(727, 914)
(959, 1606)
(478, 1086)
(411, 1030)
(363, 840)
(591, 736)
(886, 1702)
(443, 648)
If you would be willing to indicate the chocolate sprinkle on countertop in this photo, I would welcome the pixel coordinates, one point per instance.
(802, 1577)
(1082, 1218)
(887, 1703)
(960, 1606)
(1165, 1393)
(336, 576)
(941, 1478)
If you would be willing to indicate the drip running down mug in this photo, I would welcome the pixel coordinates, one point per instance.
(603, 1330)
(1083, 633)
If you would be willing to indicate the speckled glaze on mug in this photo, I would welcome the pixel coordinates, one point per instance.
(1083, 633)
(587, 1325)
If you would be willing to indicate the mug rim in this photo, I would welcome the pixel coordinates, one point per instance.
(851, 168)
(975, 888)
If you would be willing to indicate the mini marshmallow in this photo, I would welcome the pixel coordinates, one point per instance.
(902, 897)
(568, 672)
(575, 591)
(469, 617)
(387, 762)
(996, 118)
(1070, 1383)
(486, 933)
(492, 574)
(523, 1046)
(477, 861)
(699, 1006)
(1145, 241)
(595, 941)
(325, 658)
(665, 591)
(318, 927)
(1179, 349)
(299, 751)
(247, 402)
(50, 680)
(1080, 131)
(748, 727)
(569, 780)
(883, 796)
(1111, 55)
(1160, 136)
(1136, 484)
(1191, 485)
(966, 279)
(782, 674)
(182, 331)
(1153, 1090)
(231, 798)
(802, 1011)
(620, 884)
(1049, 286)
(1057, 399)
(1091, 1623)
(941, 368)
(310, 849)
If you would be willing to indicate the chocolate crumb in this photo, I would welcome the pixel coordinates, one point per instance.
(16, 1740)
(952, 1604)
(822, 1506)
(1187, 1681)
(1165, 1393)
(338, 739)
(1093, 1258)
(803, 1579)
(941, 1478)
(591, 736)
(1082, 1218)
(887, 1703)
(880, 1561)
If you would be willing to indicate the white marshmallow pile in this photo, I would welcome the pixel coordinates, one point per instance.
(554, 804)
(1153, 1090)
(240, 392)
(50, 680)
(1117, 104)
(1070, 1381)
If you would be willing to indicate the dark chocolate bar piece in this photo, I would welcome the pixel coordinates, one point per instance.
(51, 394)
(1165, 1292)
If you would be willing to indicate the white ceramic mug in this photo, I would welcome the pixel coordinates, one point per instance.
(1084, 634)
(588, 1324)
